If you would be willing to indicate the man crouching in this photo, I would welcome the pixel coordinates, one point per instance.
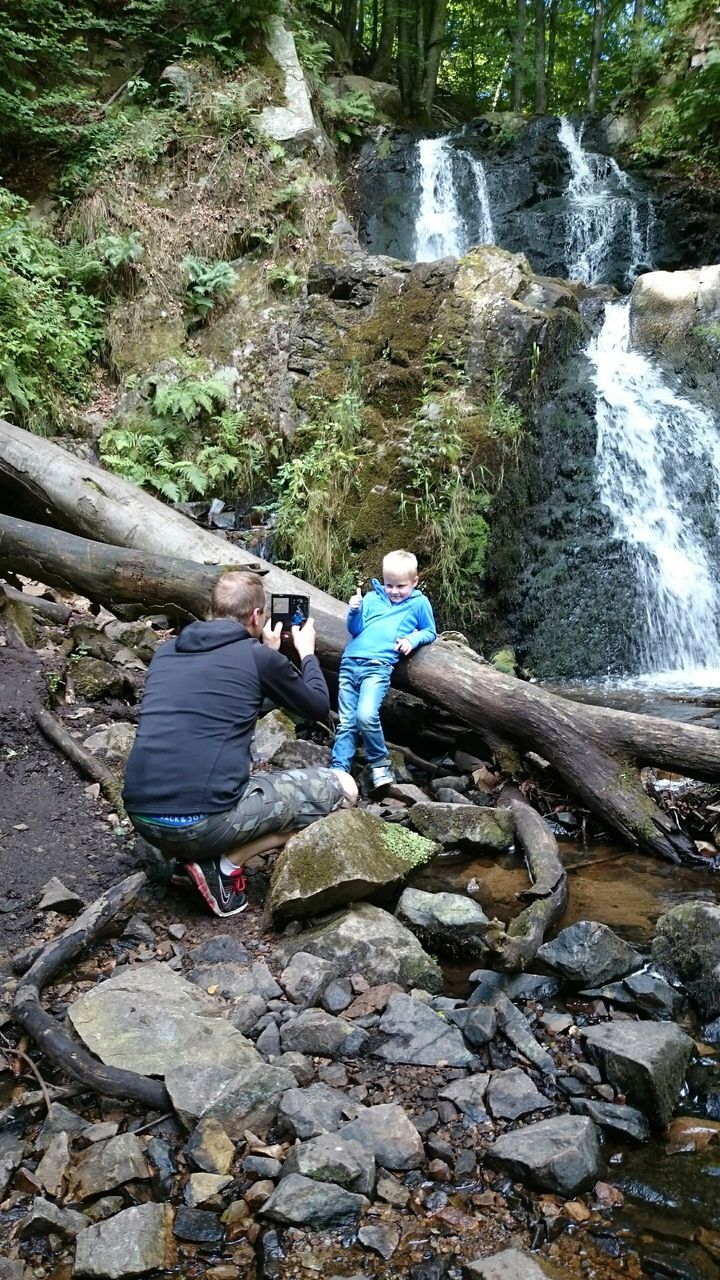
(188, 788)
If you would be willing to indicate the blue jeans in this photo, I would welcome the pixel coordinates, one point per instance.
(361, 688)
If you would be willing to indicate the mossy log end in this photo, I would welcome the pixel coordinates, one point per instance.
(160, 557)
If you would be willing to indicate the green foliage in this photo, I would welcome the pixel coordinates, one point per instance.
(313, 52)
(348, 117)
(211, 283)
(128, 133)
(284, 279)
(188, 444)
(50, 324)
(312, 489)
(687, 127)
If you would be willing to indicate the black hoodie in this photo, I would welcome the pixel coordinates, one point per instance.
(202, 697)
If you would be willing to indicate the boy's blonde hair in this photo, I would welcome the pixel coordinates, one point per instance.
(400, 562)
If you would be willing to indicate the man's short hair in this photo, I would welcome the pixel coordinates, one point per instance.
(400, 562)
(236, 595)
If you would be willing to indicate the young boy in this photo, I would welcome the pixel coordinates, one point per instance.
(391, 620)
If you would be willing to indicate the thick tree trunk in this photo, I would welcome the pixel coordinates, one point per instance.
(435, 36)
(539, 23)
(598, 752)
(517, 59)
(595, 50)
(383, 58)
(552, 43)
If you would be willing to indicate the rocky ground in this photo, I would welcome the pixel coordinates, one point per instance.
(331, 1109)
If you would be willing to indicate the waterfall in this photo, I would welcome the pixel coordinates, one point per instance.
(607, 218)
(658, 470)
(440, 229)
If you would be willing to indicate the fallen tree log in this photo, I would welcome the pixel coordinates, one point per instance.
(597, 751)
(51, 1037)
(77, 754)
(547, 895)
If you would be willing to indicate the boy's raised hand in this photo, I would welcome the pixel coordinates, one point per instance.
(355, 601)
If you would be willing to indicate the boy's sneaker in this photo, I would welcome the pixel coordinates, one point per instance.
(225, 895)
(381, 775)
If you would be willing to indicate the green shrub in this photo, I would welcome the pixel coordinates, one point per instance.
(210, 283)
(347, 117)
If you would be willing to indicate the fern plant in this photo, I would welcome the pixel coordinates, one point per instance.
(210, 283)
(190, 398)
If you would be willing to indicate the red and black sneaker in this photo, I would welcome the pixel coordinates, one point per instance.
(225, 895)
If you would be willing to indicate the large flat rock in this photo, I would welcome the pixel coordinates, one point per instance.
(148, 1019)
(644, 1060)
(137, 1240)
(560, 1155)
(464, 824)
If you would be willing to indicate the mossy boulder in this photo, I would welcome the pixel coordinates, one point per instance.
(466, 825)
(348, 855)
(17, 621)
(675, 317)
(271, 733)
(368, 940)
(96, 679)
(686, 948)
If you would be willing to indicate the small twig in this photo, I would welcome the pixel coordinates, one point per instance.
(418, 761)
(167, 1115)
(18, 1053)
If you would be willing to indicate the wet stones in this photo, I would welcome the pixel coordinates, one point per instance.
(589, 953)
(644, 1060)
(464, 825)
(468, 1095)
(560, 1154)
(686, 948)
(512, 1094)
(389, 1134)
(134, 1241)
(445, 921)
(418, 1035)
(300, 1201)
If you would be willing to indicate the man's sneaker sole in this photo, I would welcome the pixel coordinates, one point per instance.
(197, 876)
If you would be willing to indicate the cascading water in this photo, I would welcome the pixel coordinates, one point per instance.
(440, 229)
(658, 470)
(606, 217)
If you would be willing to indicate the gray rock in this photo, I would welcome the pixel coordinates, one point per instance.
(370, 941)
(337, 995)
(588, 952)
(305, 977)
(137, 929)
(445, 921)
(147, 1018)
(46, 1217)
(201, 1187)
(464, 824)
(53, 1167)
(388, 1132)
(271, 733)
(180, 80)
(711, 1032)
(644, 1060)
(231, 980)
(468, 1094)
(301, 754)
(384, 97)
(300, 1065)
(292, 124)
(560, 1154)
(489, 985)
(113, 743)
(107, 1165)
(333, 1158)
(645, 992)
(479, 1026)
(245, 1100)
(303, 1202)
(105, 1207)
(209, 1147)
(59, 1119)
(198, 1225)
(55, 897)
(381, 1239)
(13, 1269)
(348, 855)
(513, 1264)
(262, 1166)
(516, 1028)
(137, 1240)
(304, 1113)
(512, 1093)
(320, 1033)
(268, 1042)
(246, 1012)
(417, 1035)
(222, 948)
(623, 1120)
(11, 1154)
(686, 948)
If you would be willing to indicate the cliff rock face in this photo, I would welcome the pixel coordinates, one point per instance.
(675, 317)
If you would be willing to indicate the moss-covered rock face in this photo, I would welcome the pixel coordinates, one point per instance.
(97, 679)
(675, 318)
(464, 824)
(686, 948)
(346, 856)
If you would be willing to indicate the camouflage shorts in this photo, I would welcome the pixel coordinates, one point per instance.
(282, 801)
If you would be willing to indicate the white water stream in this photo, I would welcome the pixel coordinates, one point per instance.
(440, 230)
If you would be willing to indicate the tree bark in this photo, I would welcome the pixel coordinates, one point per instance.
(517, 59)
(434, 38)
(383, 58)
(595, 50)
(552, 43)
(539, 24)
(597, 751)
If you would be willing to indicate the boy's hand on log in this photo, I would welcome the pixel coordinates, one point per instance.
(355, 601)
(404, 646)
(304, 639)
(272, 635)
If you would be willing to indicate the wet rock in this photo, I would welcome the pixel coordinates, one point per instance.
(468, 1094)
(388, 1132)
(299, 1201)
(59, 1119)
(320, 1033)
(371, 941)
(164, 1169)
(262, 1166)
(560, 1154)
(221, 949)
(147, 1018)
(53, 1167)
(271, 733)
(300, 1065)
(246, 1012)
(305, 977)
(419, 1036)
(209, 1147)
(445, 921)
(644, 1060)
(464, 824)
(512, 1093)
(231, 981)
(478, 1025)
(198, 1225)
(137, 1240)
(247, 1099)
(107, 1165)
(686, 948)
(531, 986)
(513, 1264)
(588, 952)
(112, 744)
(201, 1187)
(304, 1113)
(517, 1029)
(349, 854)
(46, 1217)
(333, 1158)
(337, 995)
(381, 1239)
(392, 1191)
(711, 1032)
(642, 991)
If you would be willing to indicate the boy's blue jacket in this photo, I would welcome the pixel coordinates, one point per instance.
(378, 624)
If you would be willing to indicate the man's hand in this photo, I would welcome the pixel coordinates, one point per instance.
(272, 635)
(404, 646)
(304, 639)
(355, 601)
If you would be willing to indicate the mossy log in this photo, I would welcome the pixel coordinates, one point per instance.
(161, 558)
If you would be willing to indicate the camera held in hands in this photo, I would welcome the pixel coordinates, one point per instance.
(289, 611)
